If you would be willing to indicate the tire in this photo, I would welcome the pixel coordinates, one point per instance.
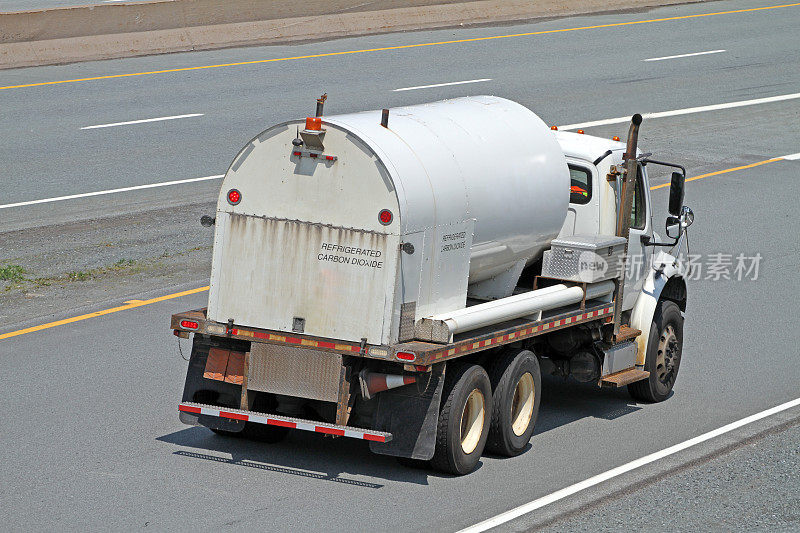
(464, 418)
(517, 392)
(664, 348)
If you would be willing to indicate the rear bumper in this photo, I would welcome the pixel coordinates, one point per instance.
(197, 322)
(283, 421)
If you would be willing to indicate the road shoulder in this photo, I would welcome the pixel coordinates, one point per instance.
(84, 33)
(743, 480)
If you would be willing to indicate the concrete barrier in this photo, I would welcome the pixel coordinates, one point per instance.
(107, 31)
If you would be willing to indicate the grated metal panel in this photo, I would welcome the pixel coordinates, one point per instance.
(408, 313)
(294, 371)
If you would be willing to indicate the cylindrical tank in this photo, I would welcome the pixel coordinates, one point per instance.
(480, 157)
(348, 228)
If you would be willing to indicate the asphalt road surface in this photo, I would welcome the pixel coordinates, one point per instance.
(90, 437)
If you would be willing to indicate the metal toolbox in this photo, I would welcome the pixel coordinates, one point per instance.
(584, 258)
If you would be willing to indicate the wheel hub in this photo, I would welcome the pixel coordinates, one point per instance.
(667, 355)
(522, 404)
(472, 421)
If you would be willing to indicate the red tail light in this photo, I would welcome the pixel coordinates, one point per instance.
(406, 356)
(189, 324)
(234, 196)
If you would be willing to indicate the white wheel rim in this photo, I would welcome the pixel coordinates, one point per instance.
(472, 421)
(522, 404)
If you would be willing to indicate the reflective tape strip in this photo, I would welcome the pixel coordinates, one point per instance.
(393, 380)
(448, 352)
(273, 420)
(295, 340)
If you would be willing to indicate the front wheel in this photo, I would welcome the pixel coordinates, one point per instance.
(463, 419)
(663, 359)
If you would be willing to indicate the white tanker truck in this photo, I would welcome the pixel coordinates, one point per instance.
(405, 276)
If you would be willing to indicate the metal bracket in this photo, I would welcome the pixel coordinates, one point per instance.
(346, 399)
(319, 156)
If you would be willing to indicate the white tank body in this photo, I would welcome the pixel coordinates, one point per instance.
(484, 158)
(478, 188)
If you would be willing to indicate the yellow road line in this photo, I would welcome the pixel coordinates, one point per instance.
(139, 303)
(718, 172)
(400, 47)
(130, 305)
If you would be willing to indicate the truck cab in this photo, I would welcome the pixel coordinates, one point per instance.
(594, 201)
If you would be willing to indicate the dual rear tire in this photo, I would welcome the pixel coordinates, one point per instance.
(464, 418)
(517, 386)
(495, 411)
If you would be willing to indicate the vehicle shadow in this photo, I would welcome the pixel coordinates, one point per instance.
(564, 402)
(340, 460)
(300, 454)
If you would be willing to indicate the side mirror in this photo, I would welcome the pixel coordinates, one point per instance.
(673, 227)
(676, 193)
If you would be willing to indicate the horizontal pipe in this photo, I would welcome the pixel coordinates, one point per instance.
(502, 302)
(520, 305)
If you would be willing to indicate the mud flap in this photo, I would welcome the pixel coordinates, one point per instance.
(201, 390)
(411, 416)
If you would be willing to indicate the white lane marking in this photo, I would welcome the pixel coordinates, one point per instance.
(157, 119)
(685, 55)
(790, 157)
(111, 191)
(686, 111)
(614, 472)
(442, 84)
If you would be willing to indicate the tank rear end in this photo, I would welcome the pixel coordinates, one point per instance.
(306, 237)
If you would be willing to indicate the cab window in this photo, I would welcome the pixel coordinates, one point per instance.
(638, 208)
(580, 190)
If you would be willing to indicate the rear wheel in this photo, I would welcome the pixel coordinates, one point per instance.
(516, 385)
(663, 359)
(463, 419)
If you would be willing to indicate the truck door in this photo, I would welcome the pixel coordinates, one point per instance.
(638, 254)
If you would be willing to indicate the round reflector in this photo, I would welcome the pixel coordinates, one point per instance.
(234, 197)
(385, 217)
